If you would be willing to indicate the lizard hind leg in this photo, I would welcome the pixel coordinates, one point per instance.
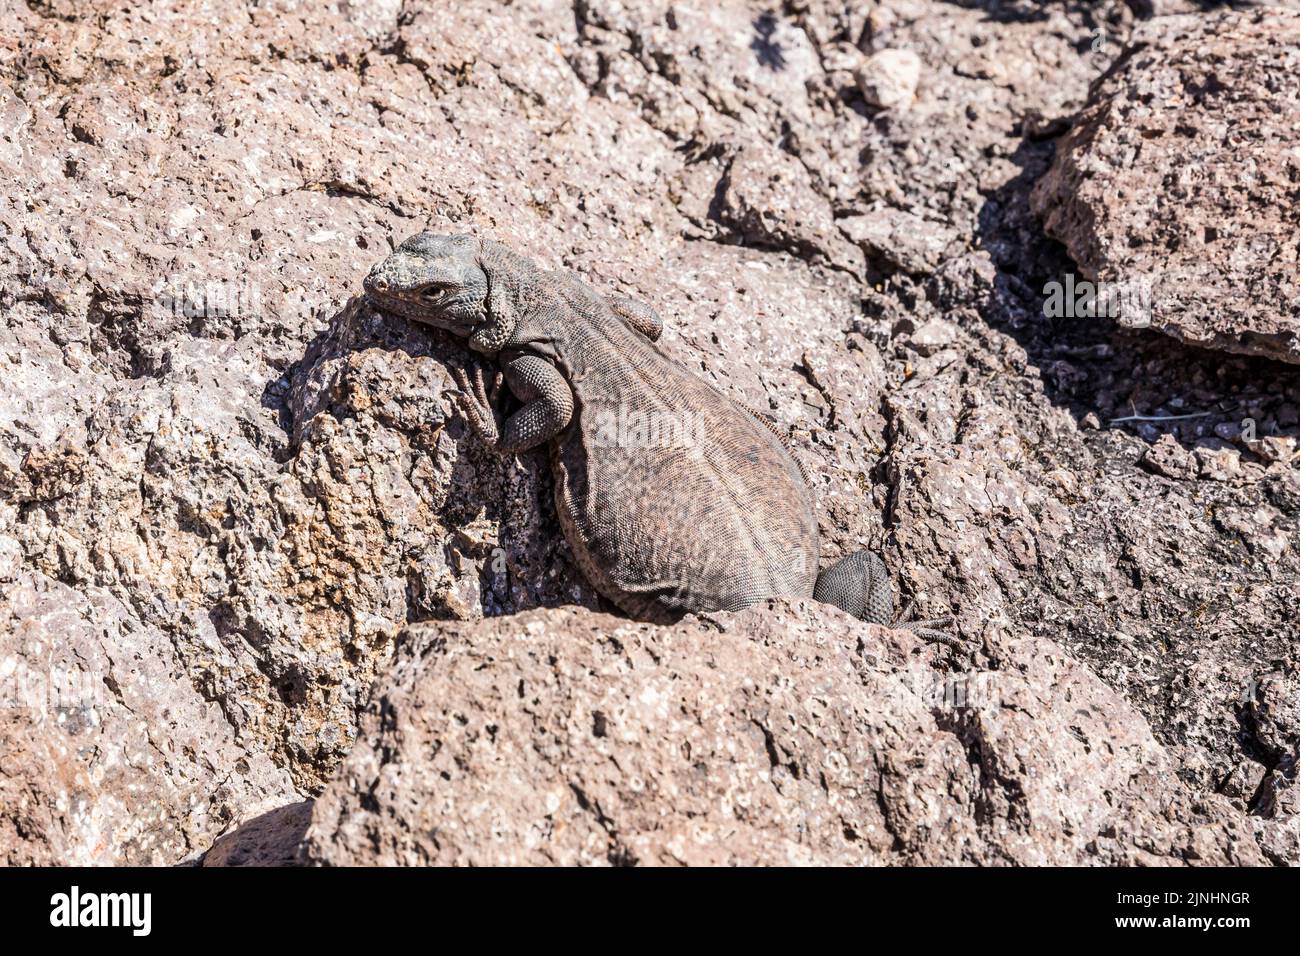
(859, 584)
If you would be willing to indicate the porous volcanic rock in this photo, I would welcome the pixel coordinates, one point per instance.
(108, 755)
(1179, 180)
(235, 485)
(787, 734)
(273, 839)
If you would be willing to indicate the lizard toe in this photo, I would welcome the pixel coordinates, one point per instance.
(929, 630)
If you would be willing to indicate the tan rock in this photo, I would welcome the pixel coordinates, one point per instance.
(787, 734)
(1177, 181)
(889, 78)
(106, 757)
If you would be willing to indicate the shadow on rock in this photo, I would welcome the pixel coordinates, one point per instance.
(1108, 376)
(273, 839)
(375, 391)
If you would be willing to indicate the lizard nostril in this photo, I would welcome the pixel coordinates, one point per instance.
(379, 285)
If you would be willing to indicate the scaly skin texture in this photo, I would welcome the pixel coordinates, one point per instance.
(673, 497)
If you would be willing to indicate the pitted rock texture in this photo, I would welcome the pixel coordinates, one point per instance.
(1180, 179)
(266, 481)
(790, 734)
(110, 755)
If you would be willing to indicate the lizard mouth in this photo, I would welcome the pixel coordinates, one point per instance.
(426, 298)
(430, 308)
(409, 308)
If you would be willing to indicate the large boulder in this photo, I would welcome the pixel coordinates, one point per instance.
(787, 734)
(1176, 186)
(108, 753)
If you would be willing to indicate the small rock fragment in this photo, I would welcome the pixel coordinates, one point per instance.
(908, 242)
(1217, 459)
(889, 78)
(1167, 457)
(1274, 447)
(933, 336)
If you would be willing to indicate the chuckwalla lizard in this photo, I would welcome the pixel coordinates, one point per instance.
(673, 497)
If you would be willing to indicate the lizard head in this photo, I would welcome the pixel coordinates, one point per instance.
(435, 279)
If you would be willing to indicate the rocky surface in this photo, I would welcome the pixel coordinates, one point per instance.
(1179, 182)
(790, 734)
(110, 755)
(238, 487)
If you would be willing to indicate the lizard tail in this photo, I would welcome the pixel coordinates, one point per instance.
(860, 585)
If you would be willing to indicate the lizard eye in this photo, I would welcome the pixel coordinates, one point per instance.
(433, 291)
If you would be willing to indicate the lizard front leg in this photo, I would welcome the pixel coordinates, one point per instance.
(547, 398)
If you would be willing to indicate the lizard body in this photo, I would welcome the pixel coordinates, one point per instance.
(673, 497)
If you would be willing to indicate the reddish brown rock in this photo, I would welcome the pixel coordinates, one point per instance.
(246, 485)
(1178, 181)
(788, 734)
(108, 753)
(272, 839)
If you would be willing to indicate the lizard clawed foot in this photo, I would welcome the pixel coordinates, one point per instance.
(498, 382)
(926, 630)
(476, 402)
